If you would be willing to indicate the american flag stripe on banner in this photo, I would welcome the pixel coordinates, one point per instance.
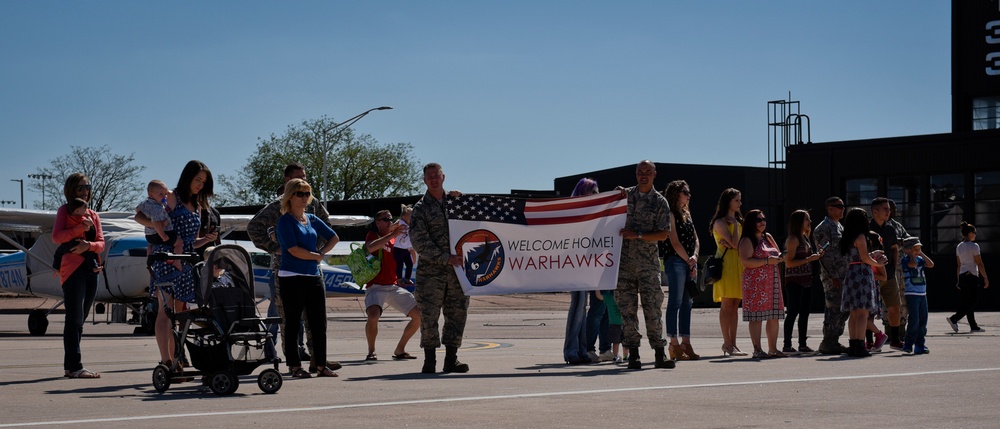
(538, 211)
(550, 212)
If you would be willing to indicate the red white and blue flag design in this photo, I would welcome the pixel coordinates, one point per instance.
(512, 245)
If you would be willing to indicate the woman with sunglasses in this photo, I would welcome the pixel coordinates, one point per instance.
(762, 300)
(725, 228)
(79, 280)
(299, 278)
(680, 264)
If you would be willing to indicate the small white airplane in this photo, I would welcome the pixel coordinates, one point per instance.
(125, 279)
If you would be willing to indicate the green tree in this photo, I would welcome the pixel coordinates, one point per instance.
(114, 179)
(340, 165)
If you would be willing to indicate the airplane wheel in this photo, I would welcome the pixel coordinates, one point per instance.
(99, 308)
(161, 378)
(223, 383)
(269, 381)
(38, 322)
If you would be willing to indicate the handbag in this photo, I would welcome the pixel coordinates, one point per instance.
(364, 266)
(713, 268)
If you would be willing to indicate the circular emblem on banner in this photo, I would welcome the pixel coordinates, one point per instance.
(482, 255)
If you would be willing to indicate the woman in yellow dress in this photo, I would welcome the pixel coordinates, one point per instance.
(728, 290)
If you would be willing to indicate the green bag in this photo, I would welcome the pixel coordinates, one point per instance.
(364, 266)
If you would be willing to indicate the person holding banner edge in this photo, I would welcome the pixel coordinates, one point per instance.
(439, 291)
(576, 341)
(647, 222)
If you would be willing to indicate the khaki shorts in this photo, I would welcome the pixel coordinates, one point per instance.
(889, 291)
(397, 297)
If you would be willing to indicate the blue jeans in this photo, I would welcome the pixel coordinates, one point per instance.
(678, 301)
(79, 291)
(575, 345)
(916, 321)
(597, 324)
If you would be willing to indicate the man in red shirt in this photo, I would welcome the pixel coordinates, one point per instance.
(386, 288)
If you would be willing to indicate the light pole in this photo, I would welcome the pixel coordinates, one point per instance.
(22, 190)
(327, 145)
(43, 178)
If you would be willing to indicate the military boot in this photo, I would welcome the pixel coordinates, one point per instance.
(430, 361)
(662, 361)
(451, 363)
(633, 358)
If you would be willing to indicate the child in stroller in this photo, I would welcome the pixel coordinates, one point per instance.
(225, 336)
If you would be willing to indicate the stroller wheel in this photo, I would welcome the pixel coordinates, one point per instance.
(161, 378)
(224, 383)
(269, 381)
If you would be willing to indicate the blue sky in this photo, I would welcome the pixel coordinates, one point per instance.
(505, 95)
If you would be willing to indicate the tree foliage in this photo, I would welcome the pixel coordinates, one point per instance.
(114, 179)
(340, 165)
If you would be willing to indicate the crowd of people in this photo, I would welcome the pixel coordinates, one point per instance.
(854, 256)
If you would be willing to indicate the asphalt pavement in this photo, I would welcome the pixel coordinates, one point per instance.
(517, 380)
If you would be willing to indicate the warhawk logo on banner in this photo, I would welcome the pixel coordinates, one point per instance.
(512, 245)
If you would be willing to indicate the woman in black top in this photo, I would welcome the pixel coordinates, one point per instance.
(680, 264)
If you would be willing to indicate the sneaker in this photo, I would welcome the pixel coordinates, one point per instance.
(594, 357)
(607, 356)
(896, 345)
(789, 350)
(869, 346)
(954, 326)
(880, 338)
(921, 350)
(805, 349)
(618, 360)
(907, 349)
(977, 329)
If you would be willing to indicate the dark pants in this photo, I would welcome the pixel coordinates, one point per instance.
(403, 260)
(797, 298)
(597, 324)
(298, 294)
(78, 292)
(969, 286)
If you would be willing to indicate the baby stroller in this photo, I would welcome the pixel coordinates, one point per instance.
(225, 336)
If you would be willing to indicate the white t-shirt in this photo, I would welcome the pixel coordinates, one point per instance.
(403, 240)
(967, 251)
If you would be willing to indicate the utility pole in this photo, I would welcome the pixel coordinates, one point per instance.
(22, 190)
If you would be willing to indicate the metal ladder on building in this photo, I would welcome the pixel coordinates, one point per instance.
(785, 125)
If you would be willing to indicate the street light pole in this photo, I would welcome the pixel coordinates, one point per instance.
(327, 145)
(22, 190)
(43, 178)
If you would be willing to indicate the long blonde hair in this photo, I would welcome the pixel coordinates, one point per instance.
(293, 186)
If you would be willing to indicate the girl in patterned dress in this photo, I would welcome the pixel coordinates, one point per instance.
(186, 203)
(762, 301)
(858, 294)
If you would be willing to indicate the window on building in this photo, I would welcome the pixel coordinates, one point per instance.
(947, 198)
(861, 192)
(986, 113)
(905, 192)
(987, 215)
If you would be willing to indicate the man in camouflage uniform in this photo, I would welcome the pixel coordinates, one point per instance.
(833, 268)
(439, 290)
(261, 232)
(647, 222)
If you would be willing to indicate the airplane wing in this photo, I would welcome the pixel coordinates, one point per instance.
(23, 220)
(238, 222)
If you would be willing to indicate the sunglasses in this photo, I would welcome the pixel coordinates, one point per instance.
(839, 206)
(302, 194)
(384, 219)
(686, 192)
(761, 220)
(83, 188)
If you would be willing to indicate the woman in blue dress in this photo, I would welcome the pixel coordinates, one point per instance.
(176, 287)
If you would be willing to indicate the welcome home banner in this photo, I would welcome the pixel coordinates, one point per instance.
(511, 245)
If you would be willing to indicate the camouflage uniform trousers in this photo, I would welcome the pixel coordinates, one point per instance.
(439, 292)
(644, 284)
(834, 319)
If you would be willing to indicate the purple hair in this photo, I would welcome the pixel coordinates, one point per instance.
(585, 186)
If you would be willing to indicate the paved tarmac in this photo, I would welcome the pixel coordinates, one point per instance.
(518, 380)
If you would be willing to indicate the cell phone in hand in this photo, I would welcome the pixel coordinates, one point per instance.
(823, 247)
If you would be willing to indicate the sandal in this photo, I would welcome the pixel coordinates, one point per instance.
(82, 373)
(299, 373)
(326, 372)
(371, 356)
(403, 356)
